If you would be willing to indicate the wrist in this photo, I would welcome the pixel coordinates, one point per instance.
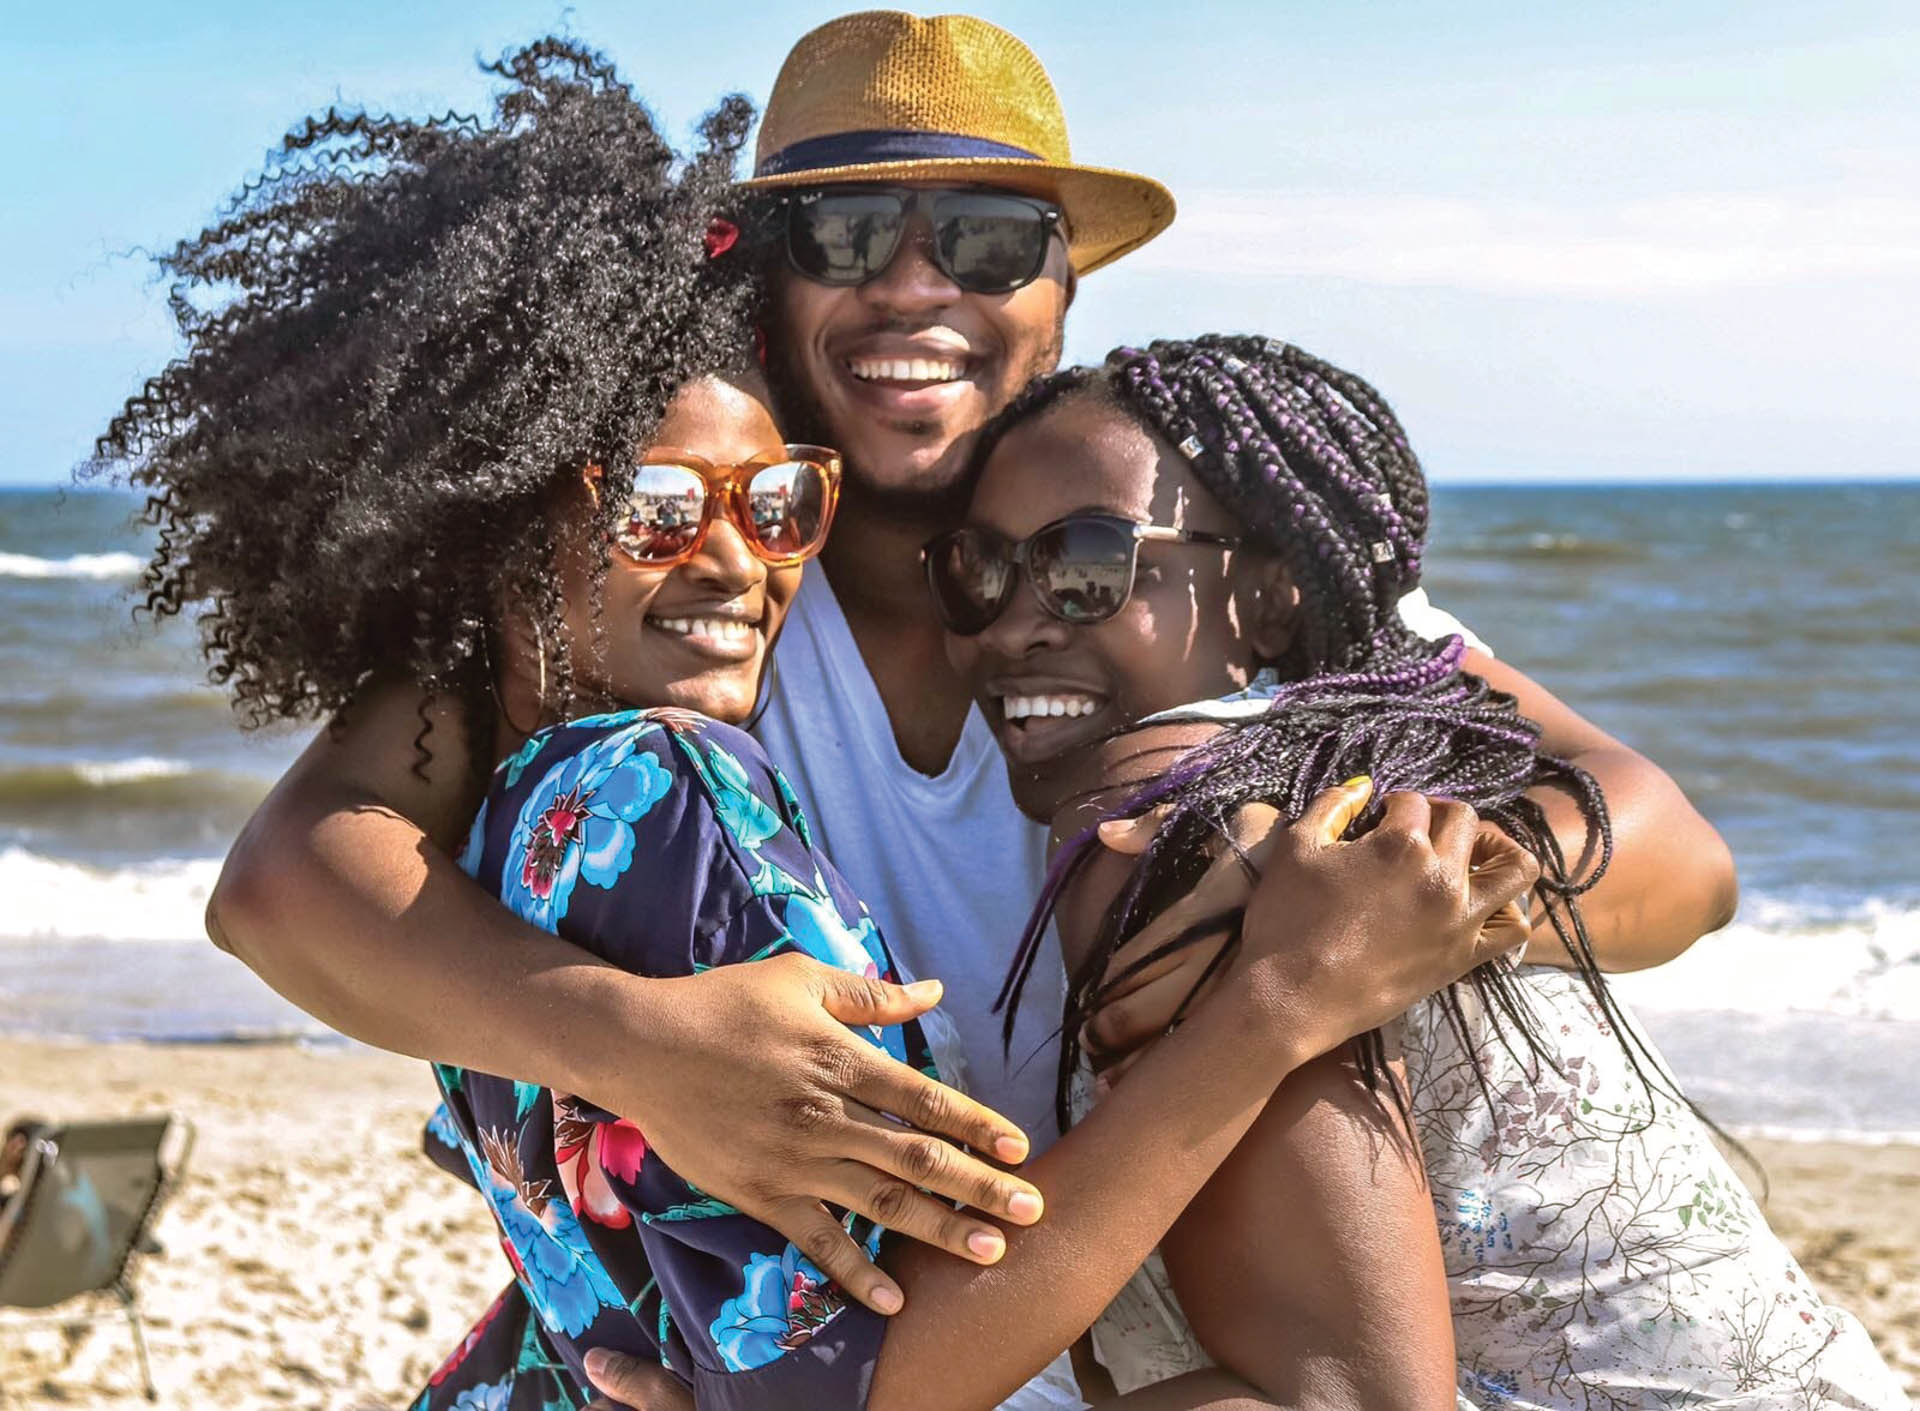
(1257, 1026)
(593, 1017)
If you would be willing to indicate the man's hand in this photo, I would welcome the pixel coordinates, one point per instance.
(634, 1383)
(1430, 865)
(759, 1095)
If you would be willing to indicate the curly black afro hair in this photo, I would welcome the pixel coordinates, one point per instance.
(401, 342)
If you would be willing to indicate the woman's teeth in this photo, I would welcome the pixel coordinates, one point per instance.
(725, 629)
(904, 369)
(1025, 707)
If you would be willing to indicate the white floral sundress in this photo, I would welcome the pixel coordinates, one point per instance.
(1601, 1254)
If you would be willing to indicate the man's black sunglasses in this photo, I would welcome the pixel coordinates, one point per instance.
(1081, 568)
(987, 242)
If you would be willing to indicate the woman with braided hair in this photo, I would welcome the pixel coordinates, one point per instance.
(1177, 596)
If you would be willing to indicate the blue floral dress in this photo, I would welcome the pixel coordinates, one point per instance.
(666, 844)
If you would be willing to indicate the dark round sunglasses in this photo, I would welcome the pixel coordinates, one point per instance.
(1080, 568)
(987, 242)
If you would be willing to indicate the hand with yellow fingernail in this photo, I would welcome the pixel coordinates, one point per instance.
(1341, 935)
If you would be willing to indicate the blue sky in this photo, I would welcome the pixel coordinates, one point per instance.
(1625, 241)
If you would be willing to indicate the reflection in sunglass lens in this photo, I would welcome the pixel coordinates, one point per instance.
(845, 237)
(663, 512)
(1083, 568)
(989, 244)
(787, 504)
(971, 576)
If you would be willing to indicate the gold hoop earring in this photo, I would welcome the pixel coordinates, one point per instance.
(493, 683)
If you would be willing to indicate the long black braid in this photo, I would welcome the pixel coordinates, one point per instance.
(1315, 465)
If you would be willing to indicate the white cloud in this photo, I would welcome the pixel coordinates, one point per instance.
(1665, 245)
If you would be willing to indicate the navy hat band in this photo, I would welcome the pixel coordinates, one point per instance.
(852, 149)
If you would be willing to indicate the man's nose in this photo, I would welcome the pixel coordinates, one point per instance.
(912, 282)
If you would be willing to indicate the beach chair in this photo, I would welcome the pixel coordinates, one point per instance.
(88, 1192)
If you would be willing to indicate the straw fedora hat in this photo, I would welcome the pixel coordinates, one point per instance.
(886, 96)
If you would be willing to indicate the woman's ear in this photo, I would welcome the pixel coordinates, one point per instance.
(1272, 609)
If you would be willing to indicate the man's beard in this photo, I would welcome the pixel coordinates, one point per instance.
(936, 505)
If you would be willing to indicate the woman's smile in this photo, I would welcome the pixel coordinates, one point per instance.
(718, 633)
(1035, 719)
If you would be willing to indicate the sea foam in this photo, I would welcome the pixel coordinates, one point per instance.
(1779, 957)
(53, 900)
(104, 773)
(114, 565)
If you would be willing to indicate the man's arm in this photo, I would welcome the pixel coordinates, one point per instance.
(1671, 879)
(341, 895)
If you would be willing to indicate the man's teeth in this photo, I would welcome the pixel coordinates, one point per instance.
(726, 629)
(1023, 707)
(904, 369)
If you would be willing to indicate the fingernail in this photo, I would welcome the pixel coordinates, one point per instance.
(1357, 780)
(987, 1245)
(928, 990)
(597, 1361)
(1011, 1150)
(887, 1299)
(1024, 1206)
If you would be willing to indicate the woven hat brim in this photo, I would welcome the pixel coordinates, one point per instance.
(1109, 213)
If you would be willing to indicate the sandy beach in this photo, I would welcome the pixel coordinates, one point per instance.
(315, 1259)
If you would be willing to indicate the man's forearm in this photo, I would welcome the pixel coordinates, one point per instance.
(350, 912)
(1671, 878)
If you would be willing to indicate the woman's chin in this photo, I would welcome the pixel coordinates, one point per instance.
(727, 696)
(1041, 790)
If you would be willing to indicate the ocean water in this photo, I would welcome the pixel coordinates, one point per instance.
(1763, 644)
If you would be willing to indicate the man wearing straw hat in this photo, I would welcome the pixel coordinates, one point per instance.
(931, 225)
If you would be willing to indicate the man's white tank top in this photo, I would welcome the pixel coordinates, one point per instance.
(947, 864)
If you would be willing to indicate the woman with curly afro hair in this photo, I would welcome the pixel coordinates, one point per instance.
(468, 421)
(403, 343)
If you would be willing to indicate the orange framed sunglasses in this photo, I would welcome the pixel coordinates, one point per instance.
(782, 503)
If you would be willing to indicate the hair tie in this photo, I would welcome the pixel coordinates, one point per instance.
(722, 235)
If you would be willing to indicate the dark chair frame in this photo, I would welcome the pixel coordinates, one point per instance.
(171, 1154)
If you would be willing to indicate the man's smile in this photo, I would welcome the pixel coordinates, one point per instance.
(908, 377)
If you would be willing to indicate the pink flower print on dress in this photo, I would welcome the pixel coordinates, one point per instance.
(588, 1152)
(548, 840)
(810, 1307)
